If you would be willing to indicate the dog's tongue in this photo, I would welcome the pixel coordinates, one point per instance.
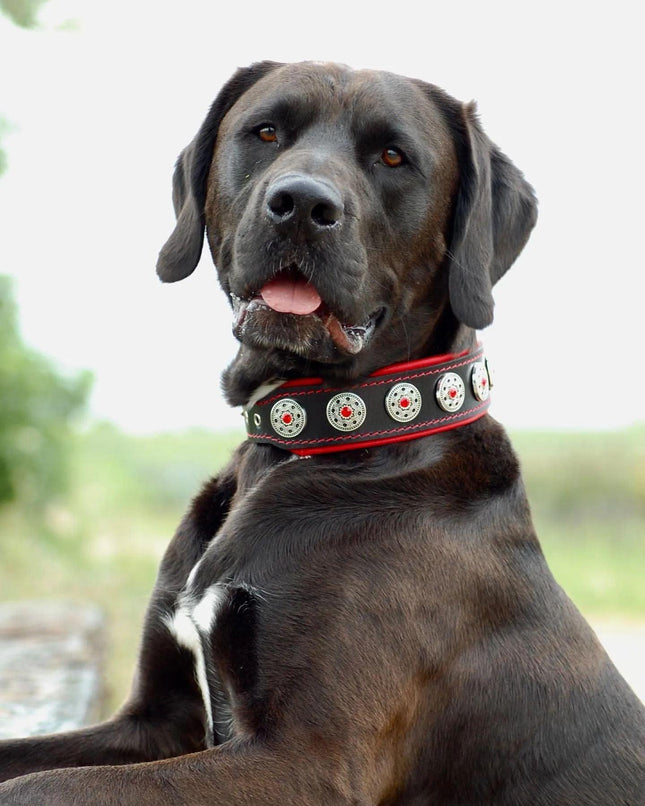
(291, 295)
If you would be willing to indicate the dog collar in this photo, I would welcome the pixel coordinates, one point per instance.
(394, 404)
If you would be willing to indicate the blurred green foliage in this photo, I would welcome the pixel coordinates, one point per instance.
(596, 476)
(4, 129)
(37, 408)
(587, 495)
(22, 12)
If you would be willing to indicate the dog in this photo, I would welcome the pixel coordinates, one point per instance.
(356, 610)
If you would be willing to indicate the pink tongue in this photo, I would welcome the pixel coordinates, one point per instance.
(287, 295)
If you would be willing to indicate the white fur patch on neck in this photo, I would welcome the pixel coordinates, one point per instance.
(262, 391)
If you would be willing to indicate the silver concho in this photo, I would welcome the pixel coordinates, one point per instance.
(403, 402)
(450, 392)
(480, 382)
(288, 418)
(346, 411)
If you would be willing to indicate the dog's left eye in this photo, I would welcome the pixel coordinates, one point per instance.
(392, 157)
(267, 133)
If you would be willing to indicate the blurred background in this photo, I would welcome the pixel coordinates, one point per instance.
(108, 422)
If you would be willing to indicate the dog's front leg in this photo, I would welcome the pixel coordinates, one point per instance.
(234, 773)
(164, 716)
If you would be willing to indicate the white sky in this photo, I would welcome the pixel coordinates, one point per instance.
(101, 114)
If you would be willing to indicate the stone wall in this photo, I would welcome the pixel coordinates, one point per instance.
(51, 666)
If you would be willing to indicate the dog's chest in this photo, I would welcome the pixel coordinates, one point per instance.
(212, 608)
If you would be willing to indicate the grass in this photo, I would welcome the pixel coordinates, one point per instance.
(587, 493)
(103, 541)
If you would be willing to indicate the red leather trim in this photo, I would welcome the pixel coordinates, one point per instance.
(301, 382)
(374, 443)
(419, 363)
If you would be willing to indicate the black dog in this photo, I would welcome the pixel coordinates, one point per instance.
(376, 624)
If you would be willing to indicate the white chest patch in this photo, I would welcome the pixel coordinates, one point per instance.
(190, 625)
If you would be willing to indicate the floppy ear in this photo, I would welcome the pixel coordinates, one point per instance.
(180, 254)
(494, 214)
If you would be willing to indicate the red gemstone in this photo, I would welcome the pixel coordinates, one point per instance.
(346, 412)
(287, 419)
(404, 402)
(452, 393)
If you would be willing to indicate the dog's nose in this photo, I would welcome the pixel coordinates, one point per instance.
(302, 202)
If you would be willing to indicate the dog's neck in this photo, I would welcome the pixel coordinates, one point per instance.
(252, 370)
(396, 403)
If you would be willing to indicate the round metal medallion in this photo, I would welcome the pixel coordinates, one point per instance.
(450, 392)
(346, 411)
(288, 418)
(403, 402)
(479, 381)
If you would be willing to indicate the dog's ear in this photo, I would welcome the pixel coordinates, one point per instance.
(494, 214)
(180, 254)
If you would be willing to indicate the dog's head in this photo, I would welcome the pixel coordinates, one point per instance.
(356, 219)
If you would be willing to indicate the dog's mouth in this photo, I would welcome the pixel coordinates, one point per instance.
(290, 302)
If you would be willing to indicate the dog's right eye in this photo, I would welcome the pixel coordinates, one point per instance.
(392, 157)
(267, 133)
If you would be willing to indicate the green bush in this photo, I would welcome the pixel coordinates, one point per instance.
(37, 408)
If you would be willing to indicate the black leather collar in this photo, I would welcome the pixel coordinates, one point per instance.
(394, 404)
